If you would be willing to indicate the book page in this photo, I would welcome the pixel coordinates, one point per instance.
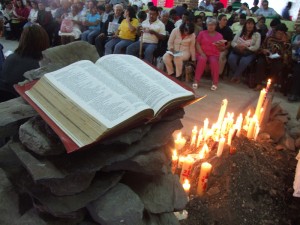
(148, 84)
(90, 88)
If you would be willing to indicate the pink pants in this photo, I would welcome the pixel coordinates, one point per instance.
(214, 68)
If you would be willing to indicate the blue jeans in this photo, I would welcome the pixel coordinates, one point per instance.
(133, 49)
(239, 63)
(90, 35)
(117, 44)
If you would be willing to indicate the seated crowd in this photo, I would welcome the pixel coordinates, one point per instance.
(173, 36)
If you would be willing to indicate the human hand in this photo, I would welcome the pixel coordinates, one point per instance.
(128, 19)
(152, 32)
(265, 51)
(101, 35)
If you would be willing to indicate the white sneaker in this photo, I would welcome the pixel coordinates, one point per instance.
(195, 85)
(213, 87)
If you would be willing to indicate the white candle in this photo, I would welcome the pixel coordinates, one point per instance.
(200, 137)
(239, 123)
(229, 121)
(257, 129)
(222, 111)
(230, 135)
(268, 85)
(203, 178)
(186, 168)
(203, 151)
(224, 126)
(194, 136)
(260, 102)
(179, 141)
(220, 146)
(205, 127)
(250, 132)
(247, 118)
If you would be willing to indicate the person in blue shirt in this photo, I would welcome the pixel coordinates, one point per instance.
(286, 11)
(93, 23)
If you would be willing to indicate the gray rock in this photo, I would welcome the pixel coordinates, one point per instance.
(159, 194)
(14, 113)
(9, 201)
(96, 158)
(120, 205)
(276, 129)
(160, 219)
(295, 132)
(151, 163)
(37, 136)
(69, 185)
(69, 206)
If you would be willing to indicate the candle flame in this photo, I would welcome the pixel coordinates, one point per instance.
(174, 152)
(179, 136)
(186, 185)
(249, 112)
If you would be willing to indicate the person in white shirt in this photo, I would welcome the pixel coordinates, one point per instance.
(207, 6)
(152, 30)
(107, 12)
(32, 14)
(265, 11)
(244, 10)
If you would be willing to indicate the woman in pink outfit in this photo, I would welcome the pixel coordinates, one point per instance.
(208, 45)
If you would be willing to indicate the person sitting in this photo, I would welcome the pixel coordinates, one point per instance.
(32, 14)
(244, 9)
(181, 46)
(286, 11)
(185, 16)
(7, 17)
(227, 34)
(218, 6)
(238, 26)
(19, 19)
(273, 25)
(274, 45)
(245, 43)
(266, 11)
(44, 19)
(93, 23)
(206, 6)
(108, 11)
(236, 5)
(64, 9)
(109, 28)
(33, 41)
(142, 16)
(294, 94)
(198, 24)
(262, 28)
(125, 35)
(207, 46)
(255, 6)
(152, 30)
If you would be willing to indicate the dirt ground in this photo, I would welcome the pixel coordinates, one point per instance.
(251, 187)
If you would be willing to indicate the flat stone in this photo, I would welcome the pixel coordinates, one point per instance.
(14, 113)
(160, 219)
(297, 143)
(37, 136)
(96, 158)
(9, 201)
(276, 129)
(128, 210)
(151, 163)
(69, 206)
(160, 194)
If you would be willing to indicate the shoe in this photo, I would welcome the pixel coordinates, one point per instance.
(195, 85)
(213, 87)
(179, 78)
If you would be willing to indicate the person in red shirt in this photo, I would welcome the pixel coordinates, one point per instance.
(20, 15)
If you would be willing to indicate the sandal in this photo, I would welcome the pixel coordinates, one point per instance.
(213, 87)
(195, 85)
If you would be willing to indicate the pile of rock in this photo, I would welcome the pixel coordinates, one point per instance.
(281, 130)
(124, 180)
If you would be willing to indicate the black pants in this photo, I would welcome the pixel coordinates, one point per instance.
(275, 67)
(16, 29)
(100, 43)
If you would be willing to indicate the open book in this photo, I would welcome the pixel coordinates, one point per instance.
(90, 101)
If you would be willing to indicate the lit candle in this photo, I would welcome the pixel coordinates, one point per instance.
(186, 168)
(221, 146)
(268, 85)
(260, 115)
(209, 133)
(179, 141)
(222, 111)
(180, 161)
(257, 129)
(203, 178)
(239, 123)
(260, 102)
(194, 136)
(186, 186)
(247, 118)
(224, 126)
(203, 151)
(200, 137)
(229, 121)
(174, 161)
(250, 132)
(230, 135)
